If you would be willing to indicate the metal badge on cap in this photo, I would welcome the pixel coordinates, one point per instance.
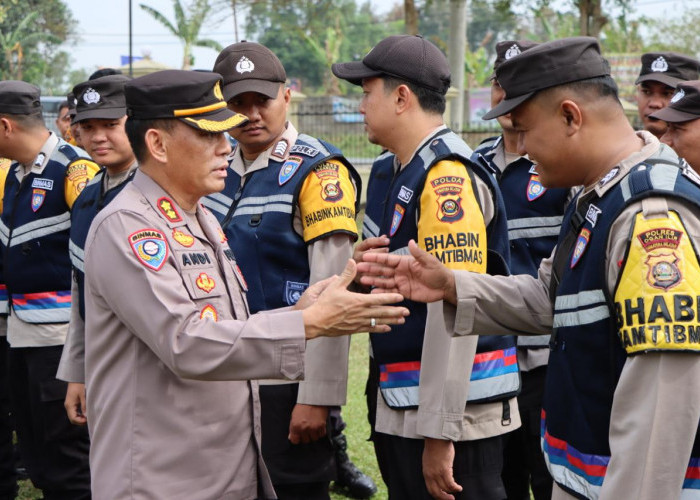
(678, 96)
(659, 65)
(245, 65)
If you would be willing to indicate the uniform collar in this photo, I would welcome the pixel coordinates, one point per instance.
(420, 146)
(651, 147)
(278, 151)
(42, 159)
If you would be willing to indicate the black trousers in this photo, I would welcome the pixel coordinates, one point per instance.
(301, 471)
(477, 465)
(54, 450)
(8, 478)
(523, 462)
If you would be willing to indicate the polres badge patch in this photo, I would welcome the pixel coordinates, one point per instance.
(663, 270)
(150, 247)
(396, 219)
(535, 189)
(38, 197)
(584, 238)
(205, 282)
(289, 168)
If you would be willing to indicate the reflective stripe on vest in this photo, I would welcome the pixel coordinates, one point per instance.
(370, 229)
(77, 256)
(590, 306)
(534, 227)
(38, 229)
(282, 203)
(217, 202)
(533, 340)
(4, 233)
(493, 372)
(4, 309)
(42, 307)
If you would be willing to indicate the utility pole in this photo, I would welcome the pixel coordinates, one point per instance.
(456, 53)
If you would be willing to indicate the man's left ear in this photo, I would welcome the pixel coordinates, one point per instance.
(571, 113)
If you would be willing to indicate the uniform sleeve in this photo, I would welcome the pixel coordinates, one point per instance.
(656, 406)
(78, 174)
(326, 375)
(327, 202)
(452, 227)
(72, 365)
(158, 309)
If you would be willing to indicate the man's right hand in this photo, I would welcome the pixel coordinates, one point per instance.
(419, 276)
(75, 403)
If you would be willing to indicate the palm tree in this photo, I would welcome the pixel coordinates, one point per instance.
(12, 43)
(187, 27)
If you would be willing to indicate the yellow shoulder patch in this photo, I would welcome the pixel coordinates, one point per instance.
(327, 202)
(451, 225)
(78, 174)
(658, 294)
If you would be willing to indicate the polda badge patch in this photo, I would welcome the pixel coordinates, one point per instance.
(150, 248)
(288, 170)
(396, 219)
(584, 238)
(38, 197)
(535, 189)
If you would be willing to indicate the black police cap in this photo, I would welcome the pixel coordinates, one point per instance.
(102, 98)
(547, 65)
(193, 97)
(19, 98)
(669, 68)
(411, 58)
(684, 105)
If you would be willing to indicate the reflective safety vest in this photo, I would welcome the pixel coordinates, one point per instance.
(91, 200)
(258, 220)
(5, 164)
(587, 355)
(534, 218)
(34, 229)
(393, 205)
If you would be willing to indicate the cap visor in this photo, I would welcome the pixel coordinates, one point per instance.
(218, 121)
(265, 87)
(669, 114)
(506, 106)
(100, 114)
(660, 77)
(354, 71)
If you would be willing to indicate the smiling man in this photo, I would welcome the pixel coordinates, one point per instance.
(101, 115)
(618, 294)
(660, 75)
(683, 119)
(170, 347)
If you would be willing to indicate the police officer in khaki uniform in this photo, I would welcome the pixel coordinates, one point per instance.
(45, 178)
(660, 75)
(622, 400)
(169, 347)
(426, 187)
(682, 116)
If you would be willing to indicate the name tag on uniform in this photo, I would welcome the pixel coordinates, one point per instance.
(43, 183)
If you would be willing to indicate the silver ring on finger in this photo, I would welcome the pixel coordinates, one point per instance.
(372, 322)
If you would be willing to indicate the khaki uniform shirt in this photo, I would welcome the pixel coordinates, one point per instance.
(656, 406)
(326, 368)
(169, 354)
(444, 381)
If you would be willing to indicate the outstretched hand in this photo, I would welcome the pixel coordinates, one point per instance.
(330, 309)
(419, 276)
